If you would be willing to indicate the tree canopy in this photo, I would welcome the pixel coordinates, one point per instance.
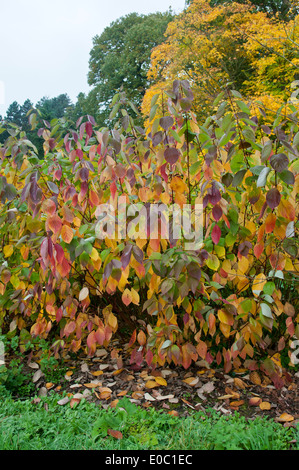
(120, 57)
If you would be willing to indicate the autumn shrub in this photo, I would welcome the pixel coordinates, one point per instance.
(81, 260)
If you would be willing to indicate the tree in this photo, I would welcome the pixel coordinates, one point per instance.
(54, 108)
(213, 45)
(120, 57)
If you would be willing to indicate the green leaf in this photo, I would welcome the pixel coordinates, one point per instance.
(266, 310)
(262, 179)
(269, 288)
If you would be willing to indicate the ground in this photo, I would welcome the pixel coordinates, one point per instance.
(104, 380)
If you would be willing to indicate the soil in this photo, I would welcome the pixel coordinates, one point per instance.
(109, 376)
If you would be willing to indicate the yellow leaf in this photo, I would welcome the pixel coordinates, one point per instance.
(258, 284)
(285, 418)
(8, 250)
(151, 384)
(161, 381)
(265, 405)
(112, 321)
(97, 373)
(135, 297)
(69, 373)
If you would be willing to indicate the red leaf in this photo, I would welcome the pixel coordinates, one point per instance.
(115, 434)
(216, 234)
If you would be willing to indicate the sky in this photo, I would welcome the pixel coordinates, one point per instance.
(45, 45)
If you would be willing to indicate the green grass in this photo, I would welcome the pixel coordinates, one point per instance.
(25, 425)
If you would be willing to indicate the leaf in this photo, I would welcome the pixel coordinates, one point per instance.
(258, 284)
(192, 381)
(285, 418)
(273, 198)
(216, 234)
(8, 251)
(171, 155)
(83, 294)
(265, 405)
(213, 262)
(287, 177)
(151, 384)
(255, 401)
(115, 434)
(66, 234)
(63, 401)
(270, 223)
(279, 162)
(266, 310)
(161, 381)
(255, 378)
(262, 179)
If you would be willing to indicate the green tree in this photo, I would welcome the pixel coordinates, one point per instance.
(120, 57)
(54, 108)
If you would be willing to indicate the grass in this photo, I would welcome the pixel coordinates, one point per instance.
(25, 425)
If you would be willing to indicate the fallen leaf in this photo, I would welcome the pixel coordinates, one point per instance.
(74, 401)
(97, 373)
(173, 413)
(37, 375)
(91, 385)
(33, 365)
(151, 384)
(236, 403)
(255, 401)
(265, 405)
(192, 381)
(63, 401)
(161, 381)
(122, 393)
(285, 418)
(148, 397)
(207, 388)
(114, 403)
(239, 383)
(255, 378)
(84, 367)
(116, 372)
(115, 434)
(69, 373)
(137, 395)
(105, 395)
(49, 385)
(104, 389)
(225, 397)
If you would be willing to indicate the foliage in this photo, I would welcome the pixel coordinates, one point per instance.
(120, 57)
(230, 301)
(212, 45)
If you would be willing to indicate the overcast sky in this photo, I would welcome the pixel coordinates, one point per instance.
(45, 45)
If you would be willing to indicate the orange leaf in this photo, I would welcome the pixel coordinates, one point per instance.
(255, 401)
(115, 434)
(66, 234)
(54, 223)
(270, 223)
(141, 338)
(285, 418)
(255, 378)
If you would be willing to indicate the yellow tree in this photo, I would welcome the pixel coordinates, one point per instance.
(213, 45)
